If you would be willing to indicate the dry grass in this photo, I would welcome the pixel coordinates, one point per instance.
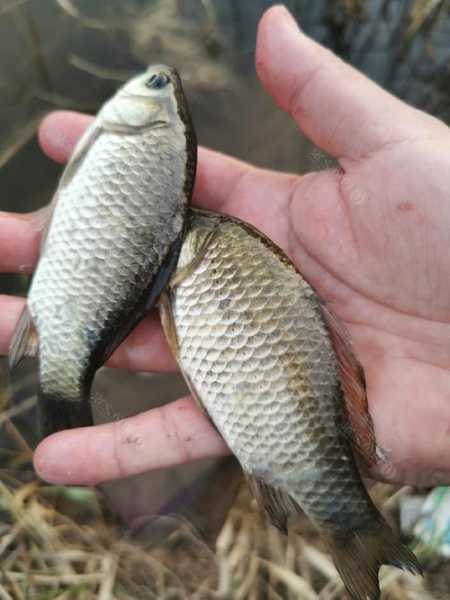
(62, 543)
(421, 11)
(56, 543)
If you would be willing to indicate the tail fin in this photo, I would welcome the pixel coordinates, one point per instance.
(359, 556)
(56, 413)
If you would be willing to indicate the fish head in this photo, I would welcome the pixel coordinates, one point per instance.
(153, 98)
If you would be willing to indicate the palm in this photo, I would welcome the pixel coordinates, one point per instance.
(371, 238)
(377, 249)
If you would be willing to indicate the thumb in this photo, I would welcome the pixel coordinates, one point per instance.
(336, 106)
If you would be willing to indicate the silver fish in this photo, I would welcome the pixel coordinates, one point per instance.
(275, 372)
(116, 225)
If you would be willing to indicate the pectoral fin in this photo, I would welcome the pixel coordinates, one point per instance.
(24, 341)
(168, 324)
(183, 273)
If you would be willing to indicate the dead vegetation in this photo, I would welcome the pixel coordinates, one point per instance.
(62, 542)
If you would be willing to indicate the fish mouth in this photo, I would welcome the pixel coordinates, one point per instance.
(172, 72)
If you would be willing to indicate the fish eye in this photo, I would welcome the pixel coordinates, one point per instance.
(157, 81)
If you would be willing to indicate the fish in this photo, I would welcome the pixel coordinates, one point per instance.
(111, 241)
(275, 371)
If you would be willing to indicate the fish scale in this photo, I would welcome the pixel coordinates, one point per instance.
(68, 272)
(262, 357)
(285, 326)
(112, 242)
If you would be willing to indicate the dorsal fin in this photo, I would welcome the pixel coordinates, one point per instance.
(353, 382)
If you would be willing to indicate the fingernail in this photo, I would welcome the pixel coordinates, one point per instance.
(49, 469)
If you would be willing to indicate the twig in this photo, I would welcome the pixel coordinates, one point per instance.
(11, 6)
(320, 562)
(421, 10)
(109, 570)
(10, 537)
(54, 579)
(64, 101)
(13, 146)
(14, 411)
(96, 70)
(69, 7)
(4, 595)
(21, 442)
(293, 581)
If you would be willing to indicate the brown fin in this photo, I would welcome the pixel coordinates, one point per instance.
(360, 432)
(25, 340)
(280, 508)
(359, 556)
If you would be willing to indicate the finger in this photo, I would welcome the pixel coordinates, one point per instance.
(222, 183)
(10, 309)
(409, 407)
(170, 435)
(217, 174)
(19, 241)
(258, 196)
(145, 349)
(218, 177)
(60, 131)
(21, 234)
(336, 106)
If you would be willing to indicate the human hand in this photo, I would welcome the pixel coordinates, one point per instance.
(372, 237)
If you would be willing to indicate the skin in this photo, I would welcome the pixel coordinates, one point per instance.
(372, 237)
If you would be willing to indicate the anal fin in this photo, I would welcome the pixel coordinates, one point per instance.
(25, 340)
(278, 506)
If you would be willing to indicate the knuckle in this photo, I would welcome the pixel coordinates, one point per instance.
(121, 432)
(172, 433)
